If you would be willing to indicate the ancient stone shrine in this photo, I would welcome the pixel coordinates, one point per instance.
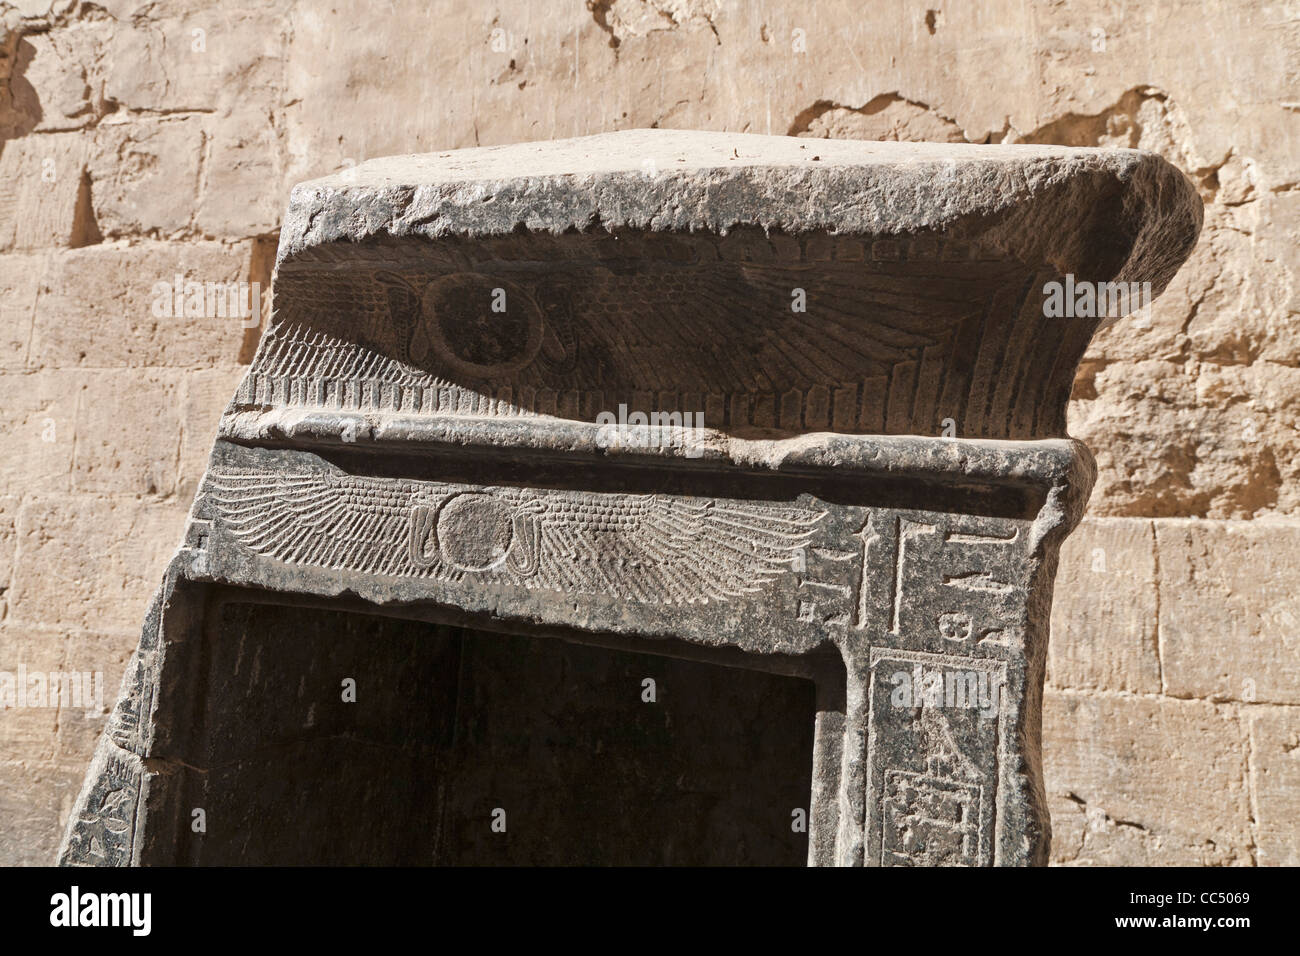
(652, 497)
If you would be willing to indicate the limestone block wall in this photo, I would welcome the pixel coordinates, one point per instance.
(141, 141)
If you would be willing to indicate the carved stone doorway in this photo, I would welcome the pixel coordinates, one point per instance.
(464, 438)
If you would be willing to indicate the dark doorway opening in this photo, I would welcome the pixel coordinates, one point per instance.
(471, 747)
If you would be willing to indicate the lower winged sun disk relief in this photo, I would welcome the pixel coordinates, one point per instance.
(647, 548)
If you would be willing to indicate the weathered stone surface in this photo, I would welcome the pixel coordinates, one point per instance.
(206, 393)
(128, 429)
(1275, 780)
(193, 60)
(1105, 609)
(61, 581)
(19, 279)
(36, 797)
(103, 306)
(1012, 200)
(8, 541)
(58, 68)
(54, 690)
(886, 117)
(1136, 780)
(100, 658)
(28, 718)
(1233, 633)
(1213, 442)
(41, 185)
(145, 176)
(426, 432)
(38, 427)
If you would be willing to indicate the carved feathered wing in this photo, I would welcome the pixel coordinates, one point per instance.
(648, 326)
(665, 550)
(408, 320)
(648, 548)
(333, 521)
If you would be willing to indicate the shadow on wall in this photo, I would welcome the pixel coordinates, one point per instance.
(20, 108)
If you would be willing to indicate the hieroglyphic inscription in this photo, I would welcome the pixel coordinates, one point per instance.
(933, 758)
(938, 598)
(926, 580)
(125, 723)
(656, 549)
(103, 832)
